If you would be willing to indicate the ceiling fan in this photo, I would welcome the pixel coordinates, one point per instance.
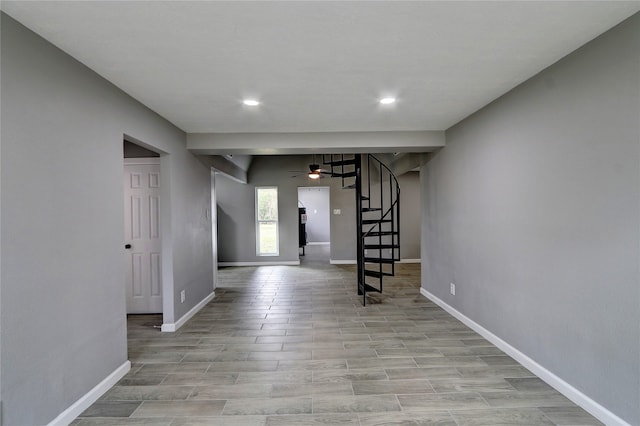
(314, 172)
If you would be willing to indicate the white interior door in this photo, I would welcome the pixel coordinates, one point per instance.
(142, 235)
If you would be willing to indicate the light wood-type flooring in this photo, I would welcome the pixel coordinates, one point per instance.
(292, 345)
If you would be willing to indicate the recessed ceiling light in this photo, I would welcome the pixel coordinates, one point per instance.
(387, 101)
(251, 102)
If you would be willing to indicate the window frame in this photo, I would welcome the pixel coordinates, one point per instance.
(259, 221)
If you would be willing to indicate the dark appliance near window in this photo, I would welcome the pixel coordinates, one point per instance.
(302, 228)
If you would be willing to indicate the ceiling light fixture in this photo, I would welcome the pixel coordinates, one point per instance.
(387, 101)
(314, 175)
(251, 102)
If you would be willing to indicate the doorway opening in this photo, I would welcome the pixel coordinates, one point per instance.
(142, 233)
(315, 232)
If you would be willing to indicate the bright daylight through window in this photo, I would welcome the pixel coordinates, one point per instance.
(267, 221)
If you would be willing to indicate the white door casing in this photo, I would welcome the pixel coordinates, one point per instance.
(143, 278)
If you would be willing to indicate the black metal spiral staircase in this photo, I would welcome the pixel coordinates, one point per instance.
(377, 213)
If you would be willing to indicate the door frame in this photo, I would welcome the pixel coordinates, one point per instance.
(213, 215)
(166, 234)
(328, 187)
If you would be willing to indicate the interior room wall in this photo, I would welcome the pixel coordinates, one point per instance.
(236, 212)
(236, 209)
(532, 210)
(191, 230)
(343, 223)
(131, 150)
(63, 322)
(410, 215)
(316, 200)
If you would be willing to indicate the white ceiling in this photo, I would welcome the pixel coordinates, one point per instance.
(317, 66)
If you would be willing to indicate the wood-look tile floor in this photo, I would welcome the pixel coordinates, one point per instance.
(287, 345)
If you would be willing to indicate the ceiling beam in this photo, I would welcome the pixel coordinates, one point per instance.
(314, 143)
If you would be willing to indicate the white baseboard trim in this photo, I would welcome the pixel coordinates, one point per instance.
(69, 415)
(171, 327)
(579, 398)
(319, 243)
(274, 263)
(342, 262)
(410, 261)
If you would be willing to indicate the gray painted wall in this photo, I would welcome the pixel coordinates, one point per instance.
(223, 165)
(532, 210)
(1, 258)
(236, 210)
(410, 215)
(131, 150)
(317, 202)
(236, 214)
(63, 302)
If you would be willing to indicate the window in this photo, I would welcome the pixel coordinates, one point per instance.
(267, 221)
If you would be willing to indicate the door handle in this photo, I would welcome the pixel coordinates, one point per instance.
(127, 246)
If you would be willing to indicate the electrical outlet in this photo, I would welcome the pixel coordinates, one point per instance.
(182, 296)
(452, 289)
